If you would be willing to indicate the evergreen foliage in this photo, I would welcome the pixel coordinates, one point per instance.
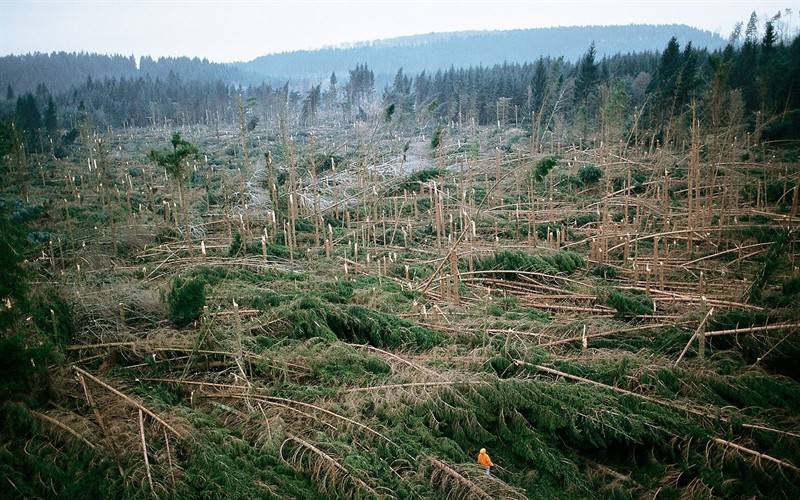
(13, 278)
(415, 181)
(185, 300)
(436, 138)
(543, 167)
(561, 262)
(174, 160)
(590, 174)
(630, 304)
(309, 317)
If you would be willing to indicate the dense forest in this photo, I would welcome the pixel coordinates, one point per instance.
(750, 81)
(60, 71)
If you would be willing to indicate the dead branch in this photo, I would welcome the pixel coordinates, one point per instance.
(129, 400)
(62, 426)
(144, 452)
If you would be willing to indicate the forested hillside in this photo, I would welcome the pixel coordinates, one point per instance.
(60, 71)
(476, 48)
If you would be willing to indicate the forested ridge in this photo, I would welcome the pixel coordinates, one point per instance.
(476, 48)
(60, 71)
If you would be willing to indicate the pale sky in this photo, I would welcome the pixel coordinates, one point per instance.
(244, 29)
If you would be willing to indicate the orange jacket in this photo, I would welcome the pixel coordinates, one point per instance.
(484, 460)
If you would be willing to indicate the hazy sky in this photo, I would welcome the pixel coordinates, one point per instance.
(244, 29)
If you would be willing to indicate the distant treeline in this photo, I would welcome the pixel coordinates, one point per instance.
(751, 83)
(476, 48)
(60, 71)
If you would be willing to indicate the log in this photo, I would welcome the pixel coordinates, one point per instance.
(129, 400)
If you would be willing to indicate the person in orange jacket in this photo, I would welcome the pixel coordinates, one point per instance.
(485, 461)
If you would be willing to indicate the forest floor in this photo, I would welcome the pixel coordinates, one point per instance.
(362, 326)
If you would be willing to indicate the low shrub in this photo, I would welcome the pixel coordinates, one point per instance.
(590, 174)
(186, 300)
(416, 179)
(543, 167)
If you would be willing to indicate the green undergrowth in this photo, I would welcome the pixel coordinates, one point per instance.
(339, 364)
(185, 300)
(542, 168)
(664, 341)
(34, 468)
(537, 431)
(240, 247)
(755, 396)
(36, 322)
(309, 317)
(331, 364)
(416, 180)
(736, 318)
(222, 463)
(774, 259)
(629, 303)
(213, 275)
(560, 262)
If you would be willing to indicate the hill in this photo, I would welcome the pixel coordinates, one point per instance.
(472, 48)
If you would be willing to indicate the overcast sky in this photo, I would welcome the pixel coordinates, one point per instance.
(244, 29)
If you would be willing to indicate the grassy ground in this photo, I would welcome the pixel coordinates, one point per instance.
(356, 329)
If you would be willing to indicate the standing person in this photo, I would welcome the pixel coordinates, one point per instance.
(485, 461)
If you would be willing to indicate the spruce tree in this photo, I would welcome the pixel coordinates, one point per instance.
(538, 85)
(687, 80)
(175, 162)
(51, 119)
(586, 80)
(27, 118)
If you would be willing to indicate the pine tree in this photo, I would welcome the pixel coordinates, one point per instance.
(9, 93)
(175, 162)
(770, 68)
(585, 96)
(587, 78)
(751, 32)
(770, 37)
(747, 66)
(687, 80)
(51, 119)
(664, 85)
(333, 93)
(538, 86)
(27, 118)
